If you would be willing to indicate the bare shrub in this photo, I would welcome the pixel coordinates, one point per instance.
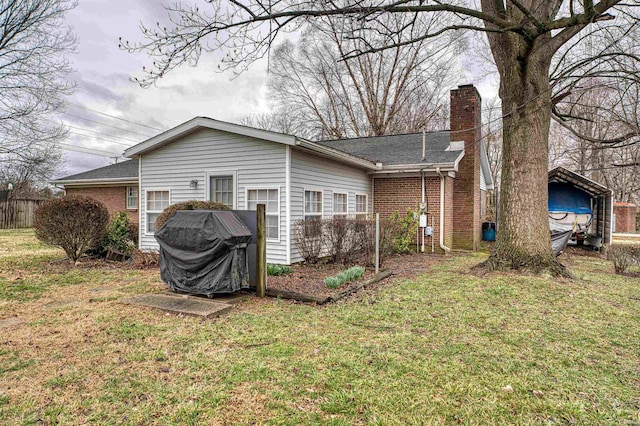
(308, 237)
(187, 205)
(339, 236)
(365, 230)
(74, 224)
(623, 256)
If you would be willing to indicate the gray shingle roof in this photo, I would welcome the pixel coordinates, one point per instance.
(398, 149)
(123, 170)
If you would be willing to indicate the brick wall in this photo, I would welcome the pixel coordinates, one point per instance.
(114, 197)
(465, 120)
(625, 217)
(405, 193)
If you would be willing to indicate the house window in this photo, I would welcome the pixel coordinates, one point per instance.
(157, 201)
(132, 197)
(221, 190)
(312, 205)
(271, 199)
(340, 205)
(361, 206)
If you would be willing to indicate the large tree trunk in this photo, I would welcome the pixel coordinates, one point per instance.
(523, 238)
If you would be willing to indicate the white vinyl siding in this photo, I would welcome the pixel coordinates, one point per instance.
(318, 174)
(254, 163)
(157, 201)
(132, 197)
(270, 198)
(340, 205)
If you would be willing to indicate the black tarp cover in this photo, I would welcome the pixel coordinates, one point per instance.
(204, 252)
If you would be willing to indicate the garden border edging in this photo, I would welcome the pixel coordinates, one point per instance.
(300, 297)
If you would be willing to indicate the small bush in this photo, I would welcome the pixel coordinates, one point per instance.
(348, 276)
(74, 224)
(276, 270)
(404, 239)
(118, 237)
(187, 205)
(134, 233)
(623, 256)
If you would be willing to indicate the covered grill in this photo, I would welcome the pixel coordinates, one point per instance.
(204, 252)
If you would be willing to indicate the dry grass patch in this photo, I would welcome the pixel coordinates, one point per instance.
(436, 349)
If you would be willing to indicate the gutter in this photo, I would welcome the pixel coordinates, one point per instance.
(102, 181)
(423, 167)
(442, 246)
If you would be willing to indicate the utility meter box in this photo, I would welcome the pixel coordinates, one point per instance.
(423, 221)
(428, 231)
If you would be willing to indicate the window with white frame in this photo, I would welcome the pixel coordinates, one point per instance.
(221, 190)
(312, 205)
(132, 197)
(270, 198)
(157, 201)
(340, 205)
(361, 206)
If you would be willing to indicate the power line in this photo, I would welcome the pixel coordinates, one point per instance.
(93, 151)
(113, 116)
(102, 133)
(101, 139)
(104, 124)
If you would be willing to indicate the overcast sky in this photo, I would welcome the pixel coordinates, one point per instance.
(104, 90)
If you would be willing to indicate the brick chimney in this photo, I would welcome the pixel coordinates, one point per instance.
(466, 126)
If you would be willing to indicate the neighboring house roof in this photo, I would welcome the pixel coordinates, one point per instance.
(403, 149)
(486, 170)
(124, 172)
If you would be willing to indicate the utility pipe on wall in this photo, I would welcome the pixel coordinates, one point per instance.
(420, 230)
(442, 246)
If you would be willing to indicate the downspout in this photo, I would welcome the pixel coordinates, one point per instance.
(442, 246)
(423, 209)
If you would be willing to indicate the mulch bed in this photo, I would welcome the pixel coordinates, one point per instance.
(309, 279)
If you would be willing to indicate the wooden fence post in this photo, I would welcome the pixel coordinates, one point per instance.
(261, 255)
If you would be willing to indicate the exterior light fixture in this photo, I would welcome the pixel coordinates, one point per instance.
(193, 184)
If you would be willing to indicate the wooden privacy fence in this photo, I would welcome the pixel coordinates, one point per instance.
(16, 213)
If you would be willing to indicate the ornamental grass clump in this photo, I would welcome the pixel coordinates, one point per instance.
(348, 276)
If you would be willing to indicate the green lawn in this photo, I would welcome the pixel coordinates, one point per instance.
(447, 347)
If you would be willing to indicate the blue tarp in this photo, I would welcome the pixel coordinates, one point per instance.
(564, 197)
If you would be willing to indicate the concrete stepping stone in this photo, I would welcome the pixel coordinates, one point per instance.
(62, 303)
(103, 289)
(198, 307)
(229, 298)
(10, 322)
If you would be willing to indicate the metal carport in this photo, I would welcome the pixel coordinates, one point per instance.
(602, 199)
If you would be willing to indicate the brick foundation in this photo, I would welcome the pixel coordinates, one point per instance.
(113, 197)
(625, 217)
